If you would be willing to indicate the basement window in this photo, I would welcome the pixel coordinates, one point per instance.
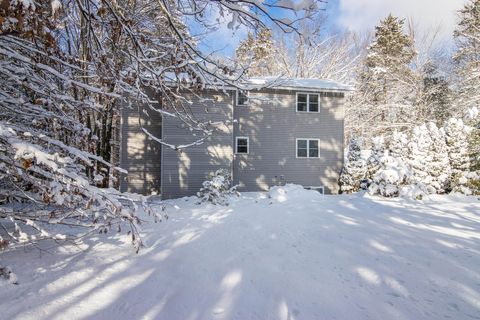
(320, 189)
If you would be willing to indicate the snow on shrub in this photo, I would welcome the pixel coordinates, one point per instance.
(438, 161)
(7, 274)
(474, 138)
(218, 188)
(419, 157)
(354, 171)
(456, 136)
(398, 146)
(374, 160)
(428, 158)
(467, 183)
(415, 191)
(440, 169)
(391, 175)
(473, 113)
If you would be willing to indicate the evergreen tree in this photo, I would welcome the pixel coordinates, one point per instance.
(392, 176)
(354, 170)
(385, 78)
(398, 146)
(474, 138)
(456, 137)
(420, 157)
(256, 53)
(467, 57)
(436, 96)
(468, 181)
(440, 165)
(374, 160)
(474, 147)
(428, 158)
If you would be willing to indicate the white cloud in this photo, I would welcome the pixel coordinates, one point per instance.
(361, 15)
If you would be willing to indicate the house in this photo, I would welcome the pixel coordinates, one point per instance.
(281, 131)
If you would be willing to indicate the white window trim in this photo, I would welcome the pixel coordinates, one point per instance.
(308, 102)
(316, 188)
(236, 145)
(248, 98)
(308, 148)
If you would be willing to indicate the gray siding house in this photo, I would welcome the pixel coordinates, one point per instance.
(280, 131)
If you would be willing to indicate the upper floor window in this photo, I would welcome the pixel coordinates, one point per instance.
(241, 145)
(308, 102)
(242, 98)
(308, 148)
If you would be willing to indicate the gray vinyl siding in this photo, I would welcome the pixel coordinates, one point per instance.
(273, 125)
(139, 154)
(184, 171)
(270, 122)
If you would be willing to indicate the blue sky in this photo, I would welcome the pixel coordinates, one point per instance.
(355, 15)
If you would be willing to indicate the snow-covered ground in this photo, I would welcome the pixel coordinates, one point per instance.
(297, 255)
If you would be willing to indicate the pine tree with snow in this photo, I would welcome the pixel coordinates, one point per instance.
(456, 137)
(460, 139)
(420, 156)
(474, 138)
(217, 188)
(469, 182)
(387, 74)
(474, 148)
(375, 158)
(354, 170)
(440, 169)
(467, 57)
(398, 146)
(435, 99)
(428, 158)
(391, 176)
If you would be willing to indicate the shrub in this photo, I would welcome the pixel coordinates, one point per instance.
(392, 174)
(218, 188)
(354, 170)
(467, 183)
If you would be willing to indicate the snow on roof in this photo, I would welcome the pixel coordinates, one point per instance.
(257, 83)
(296, 83)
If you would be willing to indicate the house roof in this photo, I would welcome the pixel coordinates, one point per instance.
(257, 83)
(296, 83)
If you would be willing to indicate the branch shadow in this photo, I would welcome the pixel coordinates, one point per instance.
(310, 257)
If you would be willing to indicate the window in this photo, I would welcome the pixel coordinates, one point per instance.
(320, 189)
(308, 102)
(308, 148)
(241, 145)
(242, 98)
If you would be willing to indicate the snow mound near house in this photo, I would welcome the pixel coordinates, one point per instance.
(290, 192)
